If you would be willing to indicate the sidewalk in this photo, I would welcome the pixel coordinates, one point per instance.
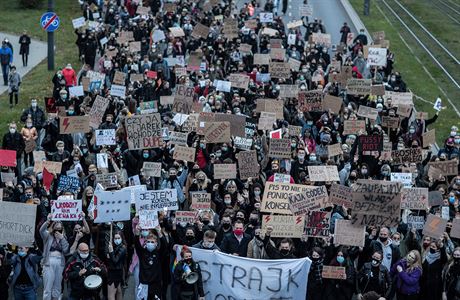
(38, 52)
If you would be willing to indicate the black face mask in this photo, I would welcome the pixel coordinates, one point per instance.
(190, 237)
(457, 260)
(383, 239)
(254, 222)
(172, 177)
(226, 225)
(205, 222)
(284, 252)
(433, 251)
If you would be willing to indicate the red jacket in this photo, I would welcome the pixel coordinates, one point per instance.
(70, 77)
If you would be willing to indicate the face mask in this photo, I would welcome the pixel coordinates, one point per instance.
(411, 130)
(301, 156)
(315, 259)
(375, 263)
(457, 141)
(253, 221)
(432, 251)
(117, 241)
(150, 246)
(172, 177)
(205, 222)
(145, 155)
(340, 259)
(208, 244)
(12, 130)
(190, 237)
(457, 260)
(60, 149)
(226, 225)
(257, 193)
(22, 253)
(64, 96)
(29, 125)
(451, 199)
(453, 133)
(224, 149)
(144, 233)
(312, 158)
(364, 171)
(238, 232)
(84, 255)
(202, 146)
(284, 252)
(34, 105)
(397, 243)
(228, 202)
(385, 173)
(293, 145)
(383, 239)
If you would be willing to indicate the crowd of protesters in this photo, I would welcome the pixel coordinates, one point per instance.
(395, 261)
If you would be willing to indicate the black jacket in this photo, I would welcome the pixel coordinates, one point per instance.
(274, 253)
(231, 245)
(14, 142)
(149, 262)
(367, 276)
(71, 273)
(38, 117)
(182, 283)
(117, 258)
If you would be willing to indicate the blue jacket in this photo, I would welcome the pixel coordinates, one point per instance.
(31, 264)
(177, 184)
(7, 51)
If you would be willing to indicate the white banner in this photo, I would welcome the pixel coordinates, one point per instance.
(231, 277)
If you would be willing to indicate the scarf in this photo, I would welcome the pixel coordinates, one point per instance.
(432, 257)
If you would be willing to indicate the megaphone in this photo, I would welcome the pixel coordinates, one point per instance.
(190, 277)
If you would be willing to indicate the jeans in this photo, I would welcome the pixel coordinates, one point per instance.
(5, 70)
(24, 293)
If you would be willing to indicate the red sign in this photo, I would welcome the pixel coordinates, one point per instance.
(8, 158)
(151, 74)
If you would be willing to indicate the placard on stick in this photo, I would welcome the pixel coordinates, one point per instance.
(200, 200)
(434, 226)
(224, 171)
(280, 148)
(143, 131)
(284, 226)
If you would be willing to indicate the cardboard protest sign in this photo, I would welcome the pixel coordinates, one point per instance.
(18, 223)
(280, 148)
(166, 100)
(186, 217)
(416, 222)
(288, 90)
(306, 10)
(239, 80)
(294, 24)
(156, 200)
(354, 126)
(404, 110)
(370, 143)
(8, 177)
(73, 124)
(280, 69)
(434, 226)
(332, 103)
(317, 224)
(414, 198)
(448, 167)
(217, 132)
(345, 233)
(184, 153)
(143, 131)
(112, 206)
(333, 272)
(409, 155)
(404, 178)
(119, 78)
(283, 178)
(200, 200)
(261, 59)
(334, 150)
(251, 23)
(7, 158)
(378, 90)
(455, 230)
(321, 39)
(390, 122)
(377, 57)
(183, 99)
(200, 31)
(284, 226)
(359, 86)
(248, 165)
(376, 202)
(107, 180)
(368, 112)
(224, 171)
(245, 48)
(310, 100)
(398, 99)
(177, 31)
(237, 123)
(276, 197)
(341, 195)
(52, 166)
(68, 184)
(178, 138)
(105, 137)
(277, 54)
(242, 143)
(66, 210)
(315, 198)
(323, 173)
(98, 111)
(152, 169)
(295, 131)
(429, 138)
(435, 198)
(271, 105)
(148, 219)
(136, 77)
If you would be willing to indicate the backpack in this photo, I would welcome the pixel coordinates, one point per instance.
(5, 58)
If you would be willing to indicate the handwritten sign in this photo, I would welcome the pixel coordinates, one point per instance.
(248, 165)
(184, 153)
(66, 210)
(333, 272)
(332, 103)
(334, 150)
(280, 148)
(73, 124)
(354, 126)
(429, 138)
(404, 156)
(317, 224)
(186, 217)
(284, 226)
(368, 112)
(347, 234)
(414, 198)
(359, 86)
(143, 131)
(434, 226)
(377, 57)
(148, 219)
(224, 171)
(156, 200)
(276, 197)
(18, 223)
(314, 198)
(105, 137)
(280, 69)
(107, 180)
(178, 138)
(98, 111)
(310, 100)
(323, 173)
(217, 132)
(200, 200)
(68, 184)
(404, 178)
(370, 143)
(416, 222)
(448, 167)
(341, 195)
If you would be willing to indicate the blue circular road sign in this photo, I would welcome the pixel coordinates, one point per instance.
(49, 21)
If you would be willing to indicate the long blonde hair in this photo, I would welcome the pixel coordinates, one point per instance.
(417, 263)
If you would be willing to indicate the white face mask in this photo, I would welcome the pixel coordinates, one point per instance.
(84, 255)
(12, 130)
(208, 244)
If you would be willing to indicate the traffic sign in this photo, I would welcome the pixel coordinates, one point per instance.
(49, 21)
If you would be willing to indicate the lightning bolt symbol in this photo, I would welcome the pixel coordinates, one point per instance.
(298, 220)
(66, 124)
(267, 218)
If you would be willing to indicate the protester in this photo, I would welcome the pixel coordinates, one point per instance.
(14, 81)
(6, 59)
(182, 271)
(25, 279)
(24, 42)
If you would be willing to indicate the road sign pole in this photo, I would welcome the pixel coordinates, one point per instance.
(50, 40)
